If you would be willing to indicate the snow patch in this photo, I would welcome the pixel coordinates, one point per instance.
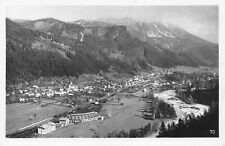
(116, 35)
(166, 34)
(82, 37)
(155, 25)
(152, 34)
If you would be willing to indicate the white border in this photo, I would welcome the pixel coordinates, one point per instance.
(101, 141)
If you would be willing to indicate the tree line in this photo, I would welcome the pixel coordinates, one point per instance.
(134, 133)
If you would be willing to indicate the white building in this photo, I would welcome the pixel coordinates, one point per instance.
(22, 99)
(35, 86)
(47, 128)
(37, 95)
(49, 94)
(64, 121)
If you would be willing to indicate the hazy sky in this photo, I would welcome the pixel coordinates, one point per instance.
(199, 20)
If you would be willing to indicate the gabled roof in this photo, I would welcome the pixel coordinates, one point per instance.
(63, 119)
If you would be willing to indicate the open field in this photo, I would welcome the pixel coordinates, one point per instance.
(117, 118)
(19, 115)
(124, 117)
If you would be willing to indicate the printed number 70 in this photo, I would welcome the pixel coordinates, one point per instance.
(212, 132)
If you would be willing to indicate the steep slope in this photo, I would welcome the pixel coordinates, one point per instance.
(26, 60)
(179, 41)
(32, 53)
(169, 37)
(55, 28)
(50, 47)
(115, 41)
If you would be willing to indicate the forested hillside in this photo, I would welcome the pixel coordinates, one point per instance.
(50, 47)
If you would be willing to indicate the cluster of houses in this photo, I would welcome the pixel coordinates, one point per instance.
(62, 91)
(71, 118)
(33, 92)
(105, 85)
(66, 93)
(152, 80)
(134, 81)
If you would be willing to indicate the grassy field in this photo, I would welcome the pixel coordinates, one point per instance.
(118, 117)
(19, 115)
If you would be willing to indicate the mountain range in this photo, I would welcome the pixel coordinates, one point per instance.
(50, 47)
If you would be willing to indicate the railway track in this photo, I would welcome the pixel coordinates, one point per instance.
(28, 133)
(30, 130)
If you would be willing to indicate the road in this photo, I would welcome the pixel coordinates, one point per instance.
(35, 124)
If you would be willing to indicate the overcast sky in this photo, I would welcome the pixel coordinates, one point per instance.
(199, 20)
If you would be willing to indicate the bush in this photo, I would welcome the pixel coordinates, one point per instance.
(133, 133)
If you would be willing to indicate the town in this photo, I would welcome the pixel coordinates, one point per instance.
(71, 100)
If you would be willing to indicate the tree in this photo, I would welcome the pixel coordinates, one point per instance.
(123, 134)
(162, 129)
(191, 100)
(133, 133)
(118, 99)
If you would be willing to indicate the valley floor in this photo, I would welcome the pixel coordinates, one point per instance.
(118, 117)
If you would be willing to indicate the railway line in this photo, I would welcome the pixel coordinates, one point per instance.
(28, 133)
